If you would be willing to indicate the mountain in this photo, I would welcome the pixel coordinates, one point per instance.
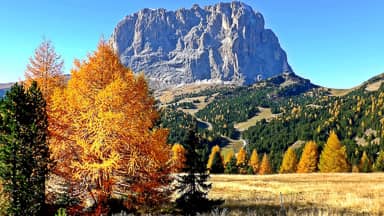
(4, 87)
(226, 41)
(287, 84)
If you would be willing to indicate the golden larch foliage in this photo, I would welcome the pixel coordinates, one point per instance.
(241, 157)
(265, 166)
(254, 161)
(101, 133)
(46, 68)
(309, 158)
(289, 163)
(333, 158)
(214, 150)
(178, 157)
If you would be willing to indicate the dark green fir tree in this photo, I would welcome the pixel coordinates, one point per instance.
(24, 153)
(193, 186)
(231, 167)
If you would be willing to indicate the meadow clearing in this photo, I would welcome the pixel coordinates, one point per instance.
(301, 194)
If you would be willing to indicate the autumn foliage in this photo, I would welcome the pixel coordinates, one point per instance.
(46, 68)
(333, 158)
(309, 158)
(265, 166)
(103, 137)
(254, 161)
(215, 161)
(241, 157)
(178, 157)
(214, 149)
(289, 163)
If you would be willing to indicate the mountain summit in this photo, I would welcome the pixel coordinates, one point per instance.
(226, 41)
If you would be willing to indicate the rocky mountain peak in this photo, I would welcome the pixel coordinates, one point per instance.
(226, 41)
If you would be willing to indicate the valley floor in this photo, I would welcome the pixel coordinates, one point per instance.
(344, 193)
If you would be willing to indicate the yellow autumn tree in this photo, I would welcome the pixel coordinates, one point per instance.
(214, 150)
(228, 157)
(178, 157)
(46, 68)
(241, 157)
(365, 163)
(289, 163)
(254, 161)
(241, 161)
(309, 158)
(103, 138)
(333, 158)
(265, 166)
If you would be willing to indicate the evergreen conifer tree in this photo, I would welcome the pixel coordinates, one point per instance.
(379, 164)
(24, 153)
(193, 186)
(231, 167)
(365, 163)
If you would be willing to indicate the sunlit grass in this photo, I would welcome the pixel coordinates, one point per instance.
(352, 192)
(265, 113)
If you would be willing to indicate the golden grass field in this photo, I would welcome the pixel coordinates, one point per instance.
(354, 193)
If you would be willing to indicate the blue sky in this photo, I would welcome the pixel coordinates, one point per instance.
(334, 43)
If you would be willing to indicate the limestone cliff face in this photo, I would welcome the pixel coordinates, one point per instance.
(226, 41)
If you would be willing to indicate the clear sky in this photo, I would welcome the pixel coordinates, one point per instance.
(335, 43)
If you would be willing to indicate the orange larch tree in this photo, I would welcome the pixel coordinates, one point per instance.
(289, 163)
(333, 158)
(178, 157)
(214, 149)
(309, 158)
(254, 161)
(241, 161)
(46, 68)
(241, 157)
(103, 135)
(265, 166)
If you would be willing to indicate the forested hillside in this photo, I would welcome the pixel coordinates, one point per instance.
(304, 112)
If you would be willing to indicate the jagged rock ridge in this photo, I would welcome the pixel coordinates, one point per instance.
(226, 41)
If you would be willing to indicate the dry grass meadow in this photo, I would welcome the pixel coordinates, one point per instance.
(301, 194)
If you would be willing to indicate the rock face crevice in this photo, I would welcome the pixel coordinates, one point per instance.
(226, 41)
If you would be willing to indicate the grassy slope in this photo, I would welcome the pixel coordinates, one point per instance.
(353, 192)
(265, 113)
